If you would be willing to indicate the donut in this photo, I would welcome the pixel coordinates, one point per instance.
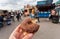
(28, 26)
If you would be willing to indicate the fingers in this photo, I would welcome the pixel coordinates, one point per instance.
(16, 33)
(28, 36)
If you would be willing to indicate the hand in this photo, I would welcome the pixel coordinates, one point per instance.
(18, 34)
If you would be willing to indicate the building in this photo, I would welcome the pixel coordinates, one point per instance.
(44, 7)
(49, 1)
(44, 2)
(41, 2)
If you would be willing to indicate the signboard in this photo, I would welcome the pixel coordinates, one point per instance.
(41, 2)
(44, 2)
(49, 1)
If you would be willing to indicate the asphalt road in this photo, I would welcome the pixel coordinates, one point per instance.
(47, 30)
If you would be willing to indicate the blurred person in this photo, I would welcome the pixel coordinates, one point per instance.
(36, 15)
(32, 12)
(12, 16)
(53, 13)
(18, 16)
(8, 19)
(1, 21)
(21, 12)
(54, 17)
(5, 19)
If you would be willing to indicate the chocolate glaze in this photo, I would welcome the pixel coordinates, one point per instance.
(28, 26)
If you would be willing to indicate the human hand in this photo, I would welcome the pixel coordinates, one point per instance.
(18, 34)
(25, 30)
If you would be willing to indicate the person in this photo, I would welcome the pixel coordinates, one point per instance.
(54, 16)
(32, 12)
(18, 33)
(9, 19)
(53, 13)
(36, 15)
(12, 16)
(18, 16)
(1, 21)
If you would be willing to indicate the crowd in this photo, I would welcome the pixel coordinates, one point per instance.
(7, 17)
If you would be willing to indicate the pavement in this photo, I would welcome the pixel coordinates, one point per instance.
(47, 30)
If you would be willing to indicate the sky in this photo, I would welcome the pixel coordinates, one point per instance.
(17, 4)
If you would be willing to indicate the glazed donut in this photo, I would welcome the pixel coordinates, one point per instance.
(28, 26)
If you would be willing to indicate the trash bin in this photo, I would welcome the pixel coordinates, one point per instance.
(55, 19)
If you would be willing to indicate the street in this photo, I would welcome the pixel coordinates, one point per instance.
(47, 30)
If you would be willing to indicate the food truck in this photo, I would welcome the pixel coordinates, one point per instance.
(44, 7)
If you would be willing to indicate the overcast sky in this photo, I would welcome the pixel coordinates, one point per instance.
(17, 4)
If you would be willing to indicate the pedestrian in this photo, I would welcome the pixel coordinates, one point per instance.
(36, 15)
(18, 16)
(54, 16)
(1, 21)
(12, 16)
(32, 12)
(8, 19)
(53, 13)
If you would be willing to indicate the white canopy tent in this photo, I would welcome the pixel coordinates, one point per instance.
(18, 4)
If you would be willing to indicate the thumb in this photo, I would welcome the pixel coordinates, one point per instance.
(28, 36)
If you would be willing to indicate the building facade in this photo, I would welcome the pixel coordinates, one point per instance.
(44, 2)
(49, 1)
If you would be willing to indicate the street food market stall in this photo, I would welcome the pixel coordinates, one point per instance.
(44, 7)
